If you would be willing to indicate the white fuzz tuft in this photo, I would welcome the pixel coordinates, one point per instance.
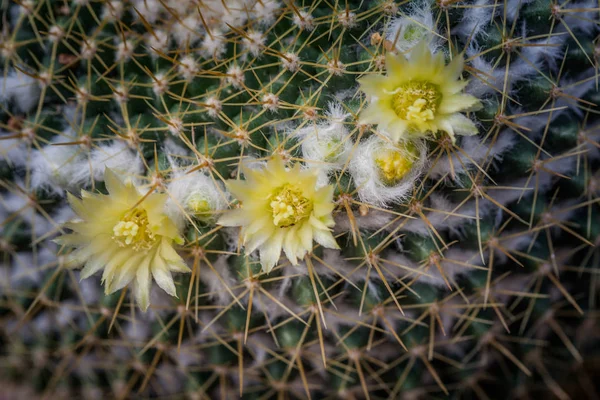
(336, 67)
(20, 90)
(88, 49)
(55, 33)
(266, 11)
(149, 9)
(214, 106)
(235, 76)
(475, 19)
(160, 85)
(27, 7)
(112, 11)
(418, 25)
(175, 126)
(117, 156)
(188, 68)
(14, 151)
(254, 41)
(194, 195)
(157, 42)
(474, 151)
(213, 45)
(121, 94)
(124, 51)
(52, 167)
(326, 144)
(291, 62)
(304, 21)
(364, 171)
(270, 102)
(186, 30)
(347, 19)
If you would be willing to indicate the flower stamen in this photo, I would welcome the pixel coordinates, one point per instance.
(289, 206)
(416, 101)
(394, 164)
(133, 230)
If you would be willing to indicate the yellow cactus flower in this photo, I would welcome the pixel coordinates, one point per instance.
(419, 96)
(281, 209)
(127, 235)
(394, 164)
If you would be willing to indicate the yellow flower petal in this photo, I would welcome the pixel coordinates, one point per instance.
(235, 217)
(394, 64)
(326, 239)
(290, 245)
(113, 267)
(270, 251)
(127, 272)
(114, 185)
(458, 102)
(460, 125)
(454, 69)
(374, 85)
(143, 283)
(305, 233)
(255, 240)
(163, 277)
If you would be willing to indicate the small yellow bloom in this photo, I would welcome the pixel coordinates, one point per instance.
(419, 96)
(394, 164)
(281, 209)
(130, 241)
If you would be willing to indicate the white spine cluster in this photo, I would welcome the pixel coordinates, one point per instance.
(158, 41)
(254, 42)
(213, 45)
(112, 11)
(188, 68)
(266, 11)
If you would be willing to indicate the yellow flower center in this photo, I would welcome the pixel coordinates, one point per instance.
(198, 205)
(332, 147)
(416, 101)
(133, 230)
(394, 164)
(289, 206)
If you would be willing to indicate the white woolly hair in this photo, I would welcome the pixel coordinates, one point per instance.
(575, 89)
(365, 173)
(14, 151)
(52, 167)
(213, 45)
(475, 19)
(456, 261)
(474, 151)
(524, 66)
(183, 187)
(19, 89)
(317, 140)
(266, 11)
(186, 31)
(149, 9)
(117, 156)
(422, 23)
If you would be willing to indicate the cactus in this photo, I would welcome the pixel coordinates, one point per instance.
(430, 167)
